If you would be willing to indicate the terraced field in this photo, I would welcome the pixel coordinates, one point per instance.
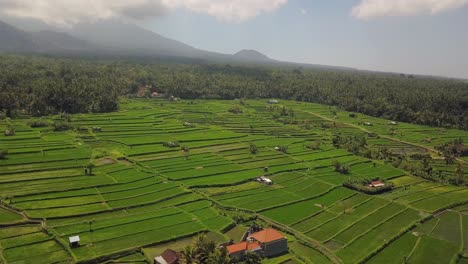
(144, 195)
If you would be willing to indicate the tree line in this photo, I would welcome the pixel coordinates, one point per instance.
(44, 85)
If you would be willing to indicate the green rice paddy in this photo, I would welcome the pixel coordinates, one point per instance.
(143, 197)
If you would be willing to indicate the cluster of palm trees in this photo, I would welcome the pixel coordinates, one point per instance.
(205, 251)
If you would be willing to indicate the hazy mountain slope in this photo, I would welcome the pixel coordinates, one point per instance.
(113, 38)
(131, 38)
(61, 41)
(13, 39)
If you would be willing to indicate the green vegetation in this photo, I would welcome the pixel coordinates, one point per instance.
(42, 85)
(134, 182)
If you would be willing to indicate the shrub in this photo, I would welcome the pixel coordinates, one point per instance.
(60, 125)
(3, 153)
(185, 149)
(171, 144)
(253, 148)
(38, 123)
(187, 124)
(314, 146)
(235, 110)
(353, 115)
(283, 149)
(341, 168)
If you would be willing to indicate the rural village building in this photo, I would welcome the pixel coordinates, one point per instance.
(267, 242)
(376, 184)
(169, 256)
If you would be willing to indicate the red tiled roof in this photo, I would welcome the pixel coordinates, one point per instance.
(170, 256)
(242, 246)
(253, 246)
(234, 248)
(267, 235)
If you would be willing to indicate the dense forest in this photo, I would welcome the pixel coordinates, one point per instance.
(46, 85)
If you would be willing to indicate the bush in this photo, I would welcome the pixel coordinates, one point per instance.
(341, 168)
(60, 125)
(171, 144)
(253, 148)
(187, 124)
(38, 123)
(3, 153)
(314, 146)
(235, 110)
(283, 149)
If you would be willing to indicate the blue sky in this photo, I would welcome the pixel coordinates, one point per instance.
(325, 32)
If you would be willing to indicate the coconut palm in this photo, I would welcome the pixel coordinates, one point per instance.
(219, 256)
(189, 255)
(204, 247)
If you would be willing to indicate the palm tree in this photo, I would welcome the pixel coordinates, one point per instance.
(204, 247)
(219, 256)
(189, 255)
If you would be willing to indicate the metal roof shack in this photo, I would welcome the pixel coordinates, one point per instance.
(74, 241)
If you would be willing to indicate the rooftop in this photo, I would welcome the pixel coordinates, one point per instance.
(242, 246)
(74, 239)
(267, 235)
(169, 256)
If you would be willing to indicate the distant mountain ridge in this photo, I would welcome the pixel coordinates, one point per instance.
(113, 38)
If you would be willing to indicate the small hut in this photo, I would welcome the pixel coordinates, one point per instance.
(74, 241)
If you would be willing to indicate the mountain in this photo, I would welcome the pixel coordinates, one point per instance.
(61, 41)
(15, 40)
(252, 55)
(112, 38)
(130, 38)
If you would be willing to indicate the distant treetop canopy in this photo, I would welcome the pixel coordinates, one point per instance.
(45, 85)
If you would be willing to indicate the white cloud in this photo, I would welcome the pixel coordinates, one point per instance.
(228, 10)
(375, 8)
(69, 12)
(304, 11)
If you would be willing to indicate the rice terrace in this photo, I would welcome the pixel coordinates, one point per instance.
(124, 186)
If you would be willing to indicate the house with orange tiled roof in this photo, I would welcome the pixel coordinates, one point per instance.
(237, 251)
(267, 242)
(272, 242)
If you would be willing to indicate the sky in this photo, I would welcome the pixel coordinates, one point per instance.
(409, 36)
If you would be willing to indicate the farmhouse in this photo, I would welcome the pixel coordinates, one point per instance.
(169, 256)
(237, 251)
(267, 242)
(272, 242)
(376, 184)
(74, 241)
